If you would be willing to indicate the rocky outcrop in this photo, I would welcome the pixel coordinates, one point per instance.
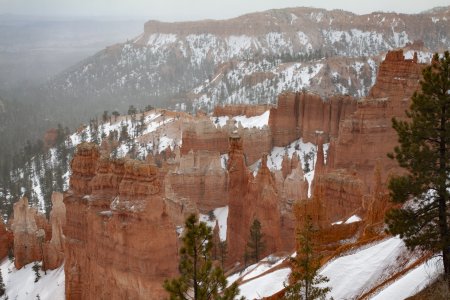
(29, 238)
(366, 136)
(83, 168)
(54, 249)
(6, 240)
(251, 198)
(238, 185)
(118, 226)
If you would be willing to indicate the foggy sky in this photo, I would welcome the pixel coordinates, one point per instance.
(177, 10)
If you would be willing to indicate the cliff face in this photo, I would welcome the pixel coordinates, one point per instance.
(354, 179)
(119, 229)
(367, 136)
(307, 115)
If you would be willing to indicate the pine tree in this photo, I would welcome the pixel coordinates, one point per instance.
(36, 268)
(2, 285)
(255, 244)
(307, 282)
(199, 279)
(424, 151)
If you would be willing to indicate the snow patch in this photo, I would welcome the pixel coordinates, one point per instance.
(20, 284)
(221, 215)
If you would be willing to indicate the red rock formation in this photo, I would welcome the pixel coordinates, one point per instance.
(29, 238)
(54, 249)
(203, 135)
(121, 230)
(83, 168)
(6, 239)
(262, 203)
(200, 179)
(367, 135)
(355, 176)
(290, 190)
(238, 184)
(307, 115)
(284, 119)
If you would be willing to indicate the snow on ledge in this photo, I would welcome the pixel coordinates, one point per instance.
(246, 122)
(353, 219)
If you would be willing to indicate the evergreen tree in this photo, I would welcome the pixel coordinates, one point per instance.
(255, 244)
(2, 285)
(36, 268)
(115, 114)
(424, 151)
(199, 279)
(307, 283)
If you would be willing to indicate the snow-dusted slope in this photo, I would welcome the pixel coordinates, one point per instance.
(20, 284)
(351, 275)
(247, 59)
(413, 282)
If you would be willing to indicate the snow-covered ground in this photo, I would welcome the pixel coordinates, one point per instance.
(350, 275)
(413, 282)
(20, 284)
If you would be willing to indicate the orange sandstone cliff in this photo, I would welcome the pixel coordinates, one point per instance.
(120, 242)
(354, 178)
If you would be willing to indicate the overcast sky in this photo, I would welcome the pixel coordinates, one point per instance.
(176, 10)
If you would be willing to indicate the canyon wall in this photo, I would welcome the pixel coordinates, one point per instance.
(307, 115)
(354, 179)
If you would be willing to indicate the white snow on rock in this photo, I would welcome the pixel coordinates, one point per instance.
(221, 215)
(353, 219)
(20, 284)
(246, 122)
(422, 57)
(350, 274)
(257, 121)
(298, 147)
